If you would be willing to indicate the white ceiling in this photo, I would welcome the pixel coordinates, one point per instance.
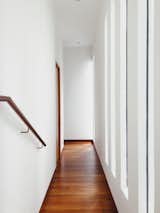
(77, 21)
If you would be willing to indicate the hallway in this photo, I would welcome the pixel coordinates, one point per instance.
(79, 184)
(73, 72)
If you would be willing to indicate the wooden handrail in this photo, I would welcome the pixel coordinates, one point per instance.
(21, 115)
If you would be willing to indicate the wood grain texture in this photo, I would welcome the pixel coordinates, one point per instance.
(79, 184)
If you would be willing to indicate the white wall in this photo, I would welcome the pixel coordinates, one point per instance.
(27, 74)
(78, 93)
(135, 201)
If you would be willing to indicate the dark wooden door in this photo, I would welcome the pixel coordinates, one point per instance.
(58, 143)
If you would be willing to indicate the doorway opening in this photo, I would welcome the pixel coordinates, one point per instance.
(58, 140)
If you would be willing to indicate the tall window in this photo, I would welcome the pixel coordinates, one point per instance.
(151, 108)
(123, 96)
(113, 88)
(106, 91)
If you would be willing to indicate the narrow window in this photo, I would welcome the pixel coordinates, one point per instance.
(113, 89)
(151, 108)
(106, 92)
(123, 96)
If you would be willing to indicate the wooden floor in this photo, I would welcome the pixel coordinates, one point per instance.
(79, 184)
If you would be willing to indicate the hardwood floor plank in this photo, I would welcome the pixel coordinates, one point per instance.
(79, 183)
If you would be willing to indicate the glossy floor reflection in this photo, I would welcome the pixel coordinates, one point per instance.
(79, 183)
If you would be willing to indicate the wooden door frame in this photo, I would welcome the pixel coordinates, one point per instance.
(58, 138)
